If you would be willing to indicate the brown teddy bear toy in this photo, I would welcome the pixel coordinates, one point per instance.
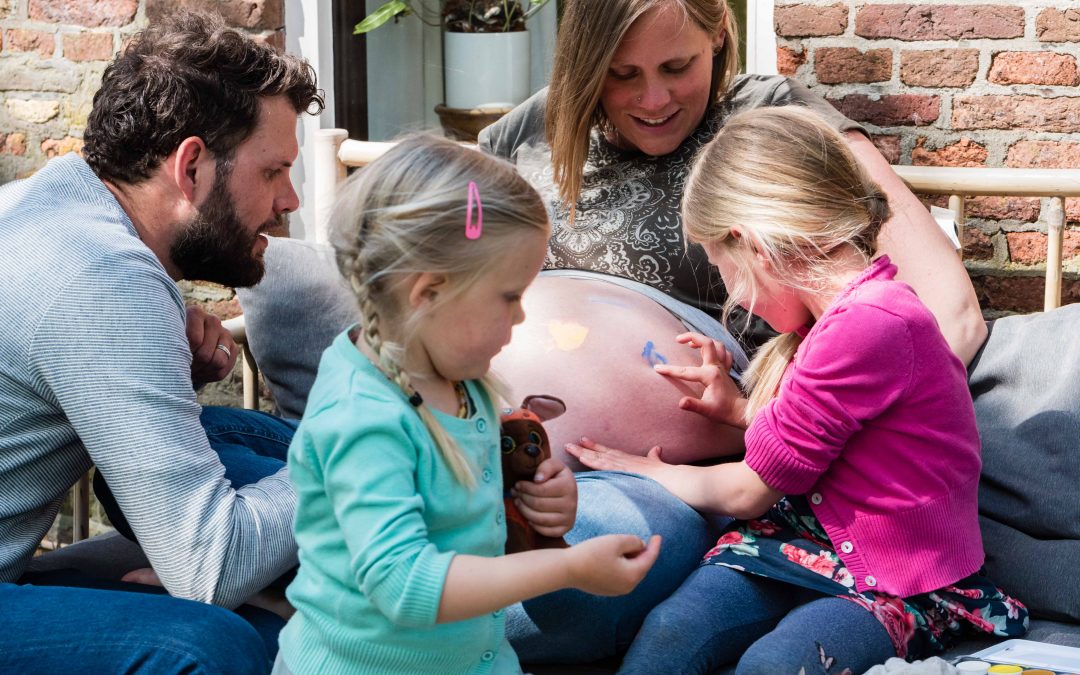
(524, 446)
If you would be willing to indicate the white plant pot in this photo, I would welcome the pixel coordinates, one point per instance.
(486, 70)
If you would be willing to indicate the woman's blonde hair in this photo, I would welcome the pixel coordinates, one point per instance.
(589, 33)
(790, 182)
(404, 214)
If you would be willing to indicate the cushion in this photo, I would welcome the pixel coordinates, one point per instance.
(1026, 385)
(294, 314)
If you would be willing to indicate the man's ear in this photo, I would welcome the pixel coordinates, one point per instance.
(193, 169)
(424, 289)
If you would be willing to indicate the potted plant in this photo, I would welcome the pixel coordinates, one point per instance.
(485, 48)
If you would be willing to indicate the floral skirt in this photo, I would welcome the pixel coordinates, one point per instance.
(788, 544)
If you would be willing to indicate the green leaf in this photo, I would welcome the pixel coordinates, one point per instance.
(381, 16)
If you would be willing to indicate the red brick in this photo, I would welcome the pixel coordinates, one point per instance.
(52, 147)
(1029, 248)
(1018, 293)
(964, 152)
(275, 39)
(976, 245)
(90, 13)
(13, 144)
(891, 109)
(1061, 114)
(810, 20)
(1024, 209)
(88, 46)
(789, 60)
(1044, 154)
(939, 67)
(23, 40)
(1034, 68)
(834, 65)
(888, 146)
(939, 22)
(250, 14)
(1056, 25)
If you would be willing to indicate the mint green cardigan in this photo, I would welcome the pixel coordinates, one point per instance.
(379, 517)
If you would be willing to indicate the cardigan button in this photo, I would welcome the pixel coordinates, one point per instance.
(870, 581)
(481, 425)
(846, 547)
(487, 656)
(486, 475)
(815, 498)
(499, 517)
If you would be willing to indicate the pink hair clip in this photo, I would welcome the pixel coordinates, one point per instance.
(473, 231)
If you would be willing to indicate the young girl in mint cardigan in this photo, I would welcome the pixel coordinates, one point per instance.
(857, 534)
(400, 519)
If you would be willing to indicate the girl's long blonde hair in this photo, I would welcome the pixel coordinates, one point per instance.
(589, 33)
(405, 214)
(790, 182)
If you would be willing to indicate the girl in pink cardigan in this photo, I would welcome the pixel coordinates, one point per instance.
(857, 534)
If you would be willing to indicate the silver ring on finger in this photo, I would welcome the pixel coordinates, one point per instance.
(224, 349)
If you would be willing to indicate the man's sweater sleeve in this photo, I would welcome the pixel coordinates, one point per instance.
(855, 364)
(112, 350)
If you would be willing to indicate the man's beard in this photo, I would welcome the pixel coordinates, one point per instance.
(215, 246)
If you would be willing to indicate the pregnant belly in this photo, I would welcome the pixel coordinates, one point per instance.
(593, 344)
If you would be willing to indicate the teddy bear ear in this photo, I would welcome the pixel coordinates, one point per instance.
(543, 406)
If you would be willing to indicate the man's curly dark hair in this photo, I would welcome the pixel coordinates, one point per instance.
(187, 75)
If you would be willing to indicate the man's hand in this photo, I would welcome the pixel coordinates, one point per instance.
(213, 351)
(549, 501)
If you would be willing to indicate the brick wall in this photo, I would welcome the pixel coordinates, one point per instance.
(960, 83)
(53, 52)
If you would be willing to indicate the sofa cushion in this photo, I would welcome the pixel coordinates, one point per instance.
(294, 314)
(1026, 386)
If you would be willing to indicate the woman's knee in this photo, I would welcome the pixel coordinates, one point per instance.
(616, 502)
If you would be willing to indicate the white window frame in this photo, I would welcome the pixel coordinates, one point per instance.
(760, 37)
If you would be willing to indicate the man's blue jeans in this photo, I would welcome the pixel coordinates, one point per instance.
(58, 621)
(54, 623)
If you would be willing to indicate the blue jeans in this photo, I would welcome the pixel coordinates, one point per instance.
(251, 445)
(51, 625)
(571, 626)
(721, 616)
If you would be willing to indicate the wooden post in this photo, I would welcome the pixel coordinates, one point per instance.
(328, 172)
(1055, 234)
(956, 205)
(80, 512)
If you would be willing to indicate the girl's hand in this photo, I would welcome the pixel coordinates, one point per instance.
(549, 500)
(613, 564)
(722, 401)
(600, 457)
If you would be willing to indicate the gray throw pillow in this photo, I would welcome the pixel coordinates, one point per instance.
(1026, 386)
(293, 315)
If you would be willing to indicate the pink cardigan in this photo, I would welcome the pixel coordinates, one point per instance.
(874, 420)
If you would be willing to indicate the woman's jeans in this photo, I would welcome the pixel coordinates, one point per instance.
(571, 626)
(721, 616)
(64, 620)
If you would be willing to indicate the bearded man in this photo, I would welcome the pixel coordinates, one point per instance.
(187, 156)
